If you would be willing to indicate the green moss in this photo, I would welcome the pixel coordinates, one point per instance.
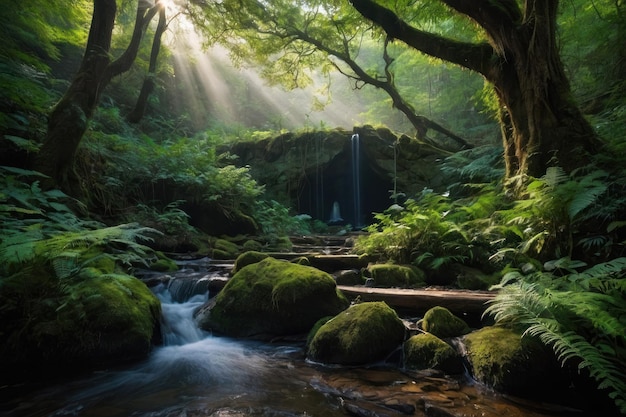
(248, 258)
(281, 244)
(273, 297)
(442, 323)
(502, 359)
(94, 257)
(224, 249)
(364, 333)
(252, 245)
(426, 351)
(390, 275)
(163, 264)
(318, 324)
(88, 319)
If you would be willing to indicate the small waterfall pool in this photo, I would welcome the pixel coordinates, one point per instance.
(197, 374)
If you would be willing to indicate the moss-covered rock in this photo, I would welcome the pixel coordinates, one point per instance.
(272, 297)
(503, 360)
(248, 258)
(390, 275)
(349, 277)
(225, 249)
(442, 323)
(281, 244)
(252, 245)
(424, 351)
(163, 263)
(315, 328)
(86, 321)
(364, 333)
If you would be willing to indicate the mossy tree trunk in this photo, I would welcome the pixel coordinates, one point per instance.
(541, 124)
(69, 119)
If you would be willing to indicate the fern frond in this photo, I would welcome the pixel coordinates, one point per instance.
(601, 366)
(554, 176)
(579, 325)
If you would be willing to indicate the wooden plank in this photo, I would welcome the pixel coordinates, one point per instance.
(420, 300)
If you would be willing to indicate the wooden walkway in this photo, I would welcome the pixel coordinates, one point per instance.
(420, 300)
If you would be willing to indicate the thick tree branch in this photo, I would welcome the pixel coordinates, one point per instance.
(494, 16)
(125, 61)
(386, 83)
(476, 57)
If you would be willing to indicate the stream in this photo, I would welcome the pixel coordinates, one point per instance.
(197, 374)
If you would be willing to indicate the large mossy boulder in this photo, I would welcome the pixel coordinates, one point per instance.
(504, 360)
(390, 275)
(270, 298)
(426, 351)
(86, 321)
(442, 323)
(364, 333)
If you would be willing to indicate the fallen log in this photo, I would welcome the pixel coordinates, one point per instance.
(460, 302)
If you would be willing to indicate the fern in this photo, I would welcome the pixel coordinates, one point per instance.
(579, 315)
(64, 249)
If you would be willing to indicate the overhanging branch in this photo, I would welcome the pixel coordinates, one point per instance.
(475, 57)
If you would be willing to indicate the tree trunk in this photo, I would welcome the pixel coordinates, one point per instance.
(541, 124)
(149, 82)
(69, 119)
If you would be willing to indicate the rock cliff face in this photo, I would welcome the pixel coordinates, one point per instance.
(358, 170)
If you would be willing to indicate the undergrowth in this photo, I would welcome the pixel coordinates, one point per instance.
(580, 315)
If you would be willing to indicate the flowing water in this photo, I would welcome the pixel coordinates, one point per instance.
(355, 141)
(197, 374)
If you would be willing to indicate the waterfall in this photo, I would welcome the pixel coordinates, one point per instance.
(177, 322)
(356, 179)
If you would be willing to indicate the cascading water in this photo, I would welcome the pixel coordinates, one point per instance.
(196, 373)
(177, 324)
(356, 179)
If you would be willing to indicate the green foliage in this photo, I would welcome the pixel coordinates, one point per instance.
(433, 230)
(275, 219)
(558, 207)
(172, 220)
(39, 227)
(580, 315)
(33, 31)
(482, 164)
(136, 169)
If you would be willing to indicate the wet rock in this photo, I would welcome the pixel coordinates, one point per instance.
(349, 277)
(364, 333)
(442, 323)
(272, 298)
(428, 351)
(433, 410)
